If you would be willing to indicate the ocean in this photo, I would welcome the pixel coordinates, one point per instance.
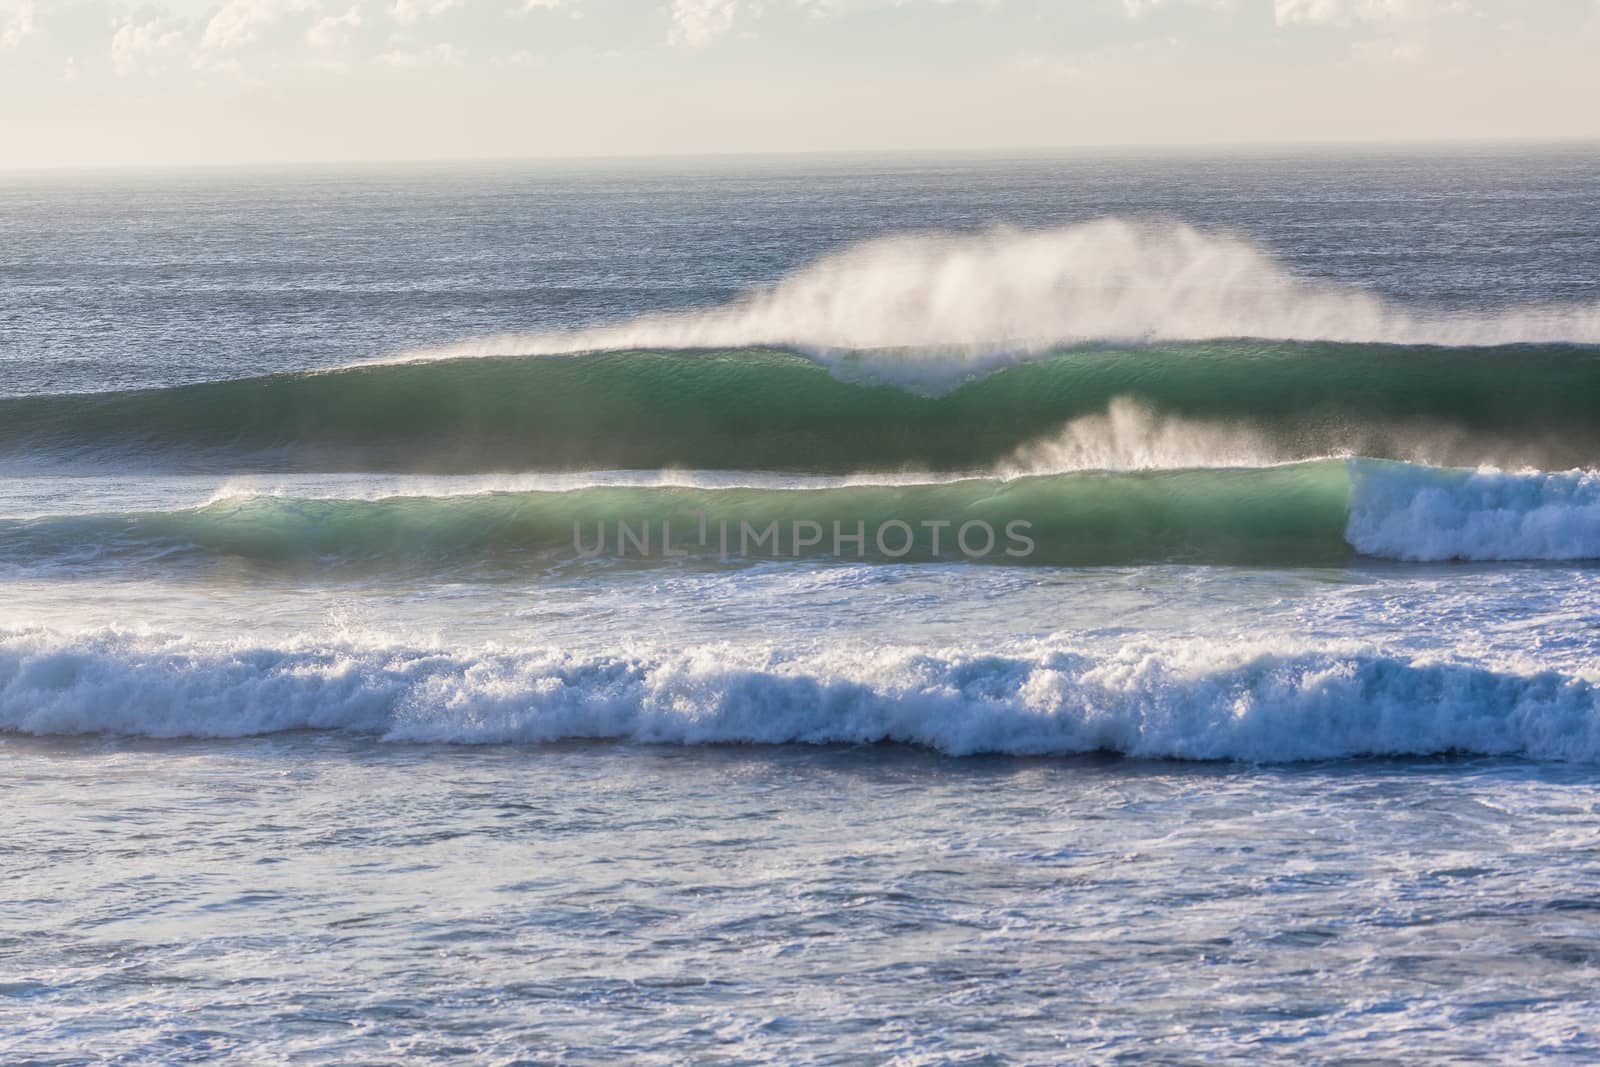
(917, 609)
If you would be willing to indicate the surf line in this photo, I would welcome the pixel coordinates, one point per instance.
(743, 539)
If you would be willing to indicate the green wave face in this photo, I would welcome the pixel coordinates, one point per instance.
(773, 410)
(1292, 514)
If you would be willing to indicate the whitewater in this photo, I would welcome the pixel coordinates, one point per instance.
(1175, 702)
(1138, 605)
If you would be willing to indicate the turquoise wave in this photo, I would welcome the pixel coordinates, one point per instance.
(769, 409)
(1291, 514)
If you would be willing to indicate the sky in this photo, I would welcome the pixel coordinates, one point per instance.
(158, 82)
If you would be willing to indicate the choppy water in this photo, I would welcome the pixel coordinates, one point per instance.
(327, 736)
(581, 902)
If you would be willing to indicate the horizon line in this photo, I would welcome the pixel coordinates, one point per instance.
(1103, 148)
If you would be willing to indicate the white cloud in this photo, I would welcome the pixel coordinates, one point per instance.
(1287, 12)
(16, 22)
(407, 12)
(330, 31)
(827, 9)
(696, 23)
(141, 45)
(1139, 8)
(238, 22)
(438, 55)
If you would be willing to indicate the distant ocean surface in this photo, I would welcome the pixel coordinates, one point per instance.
(917, 609)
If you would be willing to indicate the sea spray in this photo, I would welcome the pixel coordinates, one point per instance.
(938, 306)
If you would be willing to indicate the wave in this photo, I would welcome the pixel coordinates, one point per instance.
(1418, 514)
(1288, 514)
(1154, 702)
(779, 411)
(933, 307)
(1314, 513)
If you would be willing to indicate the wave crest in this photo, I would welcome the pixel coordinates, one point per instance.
(1155, 702)
(966, 302)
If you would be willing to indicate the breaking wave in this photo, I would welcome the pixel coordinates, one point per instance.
(943, 304)
(1312, 513)
(1142, 701)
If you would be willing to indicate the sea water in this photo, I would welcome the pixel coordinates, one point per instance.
(329, 734)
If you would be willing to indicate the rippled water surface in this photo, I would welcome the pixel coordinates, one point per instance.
(337, 900)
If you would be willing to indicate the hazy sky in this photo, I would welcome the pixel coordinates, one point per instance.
(223, 81)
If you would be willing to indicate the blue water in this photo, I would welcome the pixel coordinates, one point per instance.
(433, 790)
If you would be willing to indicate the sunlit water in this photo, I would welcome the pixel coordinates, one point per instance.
(332, 899)
(367, 808)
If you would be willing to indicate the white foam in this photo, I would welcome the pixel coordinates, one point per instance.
(1405, 512)
(963, 303)
(1183, 700)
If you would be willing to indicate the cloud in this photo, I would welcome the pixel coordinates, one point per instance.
(1287, 12)
(16, 22)
(407, 12)
(141, 45)
(827, 9)
(437, 55)
(696, 23)
(238, 22)
(330, 31)
(1139, 8)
